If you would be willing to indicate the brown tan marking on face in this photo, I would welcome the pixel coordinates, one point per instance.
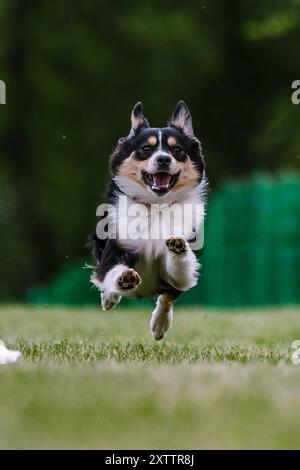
(132, 169)
(189, 176)
(152, 140)
(171, 141)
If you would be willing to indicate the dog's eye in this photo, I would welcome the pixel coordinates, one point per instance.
(146, 148)
(178, 153)
(177, 150)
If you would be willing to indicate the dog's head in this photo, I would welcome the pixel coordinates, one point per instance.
(158, 161)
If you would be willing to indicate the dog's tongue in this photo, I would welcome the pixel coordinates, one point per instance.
(161, 180)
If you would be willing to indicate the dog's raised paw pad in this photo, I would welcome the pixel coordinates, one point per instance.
(128, 279)
(177, 245)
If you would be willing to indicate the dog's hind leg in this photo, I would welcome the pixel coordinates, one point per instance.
(162, 315)
(181, 265)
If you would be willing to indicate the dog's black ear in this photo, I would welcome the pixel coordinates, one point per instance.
(182, 119)
(138, 120)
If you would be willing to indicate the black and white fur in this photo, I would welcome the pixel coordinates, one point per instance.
(153, 166)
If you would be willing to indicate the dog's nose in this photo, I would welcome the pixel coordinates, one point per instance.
(163, 161)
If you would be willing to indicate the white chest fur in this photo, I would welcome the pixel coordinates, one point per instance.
(144, 228)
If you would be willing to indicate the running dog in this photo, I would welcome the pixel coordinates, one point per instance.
(162, 170)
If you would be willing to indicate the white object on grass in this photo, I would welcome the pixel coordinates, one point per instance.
(7, 356)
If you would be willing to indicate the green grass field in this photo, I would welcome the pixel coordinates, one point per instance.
(90, 379)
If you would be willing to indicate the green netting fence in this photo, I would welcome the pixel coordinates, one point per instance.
(251, 253)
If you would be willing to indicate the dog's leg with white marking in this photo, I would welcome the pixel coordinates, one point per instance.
(181, 264)
(118, 281)
(181, 269)
(162, 316)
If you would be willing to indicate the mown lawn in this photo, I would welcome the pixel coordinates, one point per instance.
(90, 379)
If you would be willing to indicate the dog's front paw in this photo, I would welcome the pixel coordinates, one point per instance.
(128, 279)
(177, 245)
(108, 301)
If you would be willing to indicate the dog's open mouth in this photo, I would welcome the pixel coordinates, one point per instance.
(160, 182)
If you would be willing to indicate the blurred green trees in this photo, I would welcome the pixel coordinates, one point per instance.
(73, 71)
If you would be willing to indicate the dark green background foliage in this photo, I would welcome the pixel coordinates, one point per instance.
(74, 70)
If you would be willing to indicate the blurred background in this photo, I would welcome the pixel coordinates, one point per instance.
(73, 71)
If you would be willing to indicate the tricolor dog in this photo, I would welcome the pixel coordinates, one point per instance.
(158, 176)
